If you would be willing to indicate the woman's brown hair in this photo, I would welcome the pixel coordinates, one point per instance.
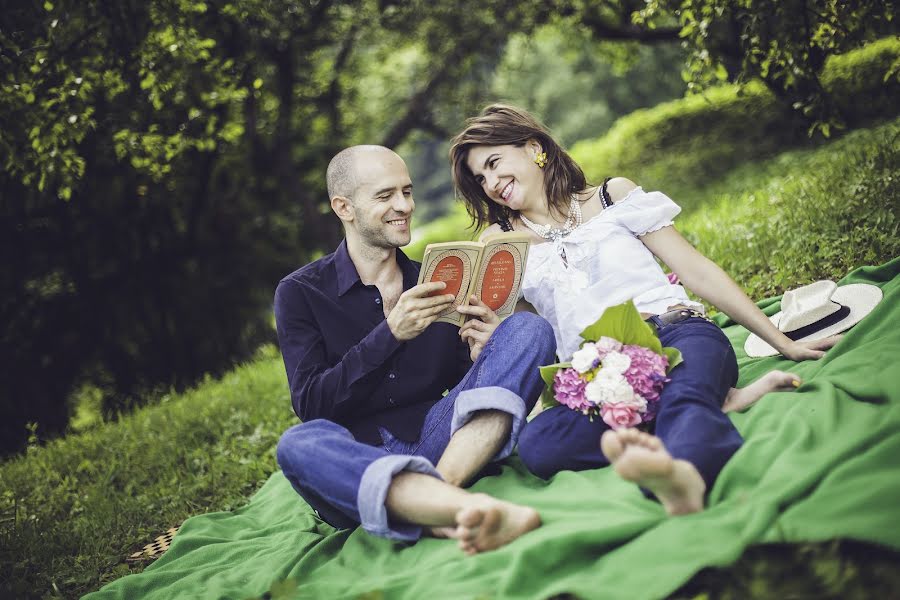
(502, 125)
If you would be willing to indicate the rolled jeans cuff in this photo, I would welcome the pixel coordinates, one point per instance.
(490, 398)
(373, 489)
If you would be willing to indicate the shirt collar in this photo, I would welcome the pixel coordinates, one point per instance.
(347, 275)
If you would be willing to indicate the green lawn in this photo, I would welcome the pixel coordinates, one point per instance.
(70, 511)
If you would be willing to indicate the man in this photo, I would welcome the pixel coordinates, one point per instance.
(367, 366)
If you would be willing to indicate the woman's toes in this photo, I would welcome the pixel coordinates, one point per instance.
(611, 445)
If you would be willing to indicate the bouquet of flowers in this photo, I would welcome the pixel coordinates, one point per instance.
(617, 373)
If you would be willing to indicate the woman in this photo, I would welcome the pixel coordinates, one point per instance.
(595, 247)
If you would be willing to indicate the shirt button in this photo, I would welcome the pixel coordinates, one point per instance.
(392, 375)
(377, 300)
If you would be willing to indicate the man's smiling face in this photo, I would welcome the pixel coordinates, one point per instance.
(383, 202)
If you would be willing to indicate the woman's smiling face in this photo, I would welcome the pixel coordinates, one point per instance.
(508, 174)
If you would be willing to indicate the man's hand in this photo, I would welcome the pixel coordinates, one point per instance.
(416, 309)
(477, 331)
(813, 350)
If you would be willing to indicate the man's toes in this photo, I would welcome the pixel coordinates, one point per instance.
(467, 547)
(469, 518)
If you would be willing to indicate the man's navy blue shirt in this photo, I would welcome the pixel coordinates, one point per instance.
(344, 364)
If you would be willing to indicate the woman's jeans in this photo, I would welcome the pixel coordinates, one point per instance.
(346, 481)
(690, 421)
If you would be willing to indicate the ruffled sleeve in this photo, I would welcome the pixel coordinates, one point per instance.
(642, 212)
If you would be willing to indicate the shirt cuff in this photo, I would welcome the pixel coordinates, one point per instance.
(378, 345)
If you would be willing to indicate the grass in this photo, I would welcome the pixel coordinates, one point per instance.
(74, 509)
(804, 215)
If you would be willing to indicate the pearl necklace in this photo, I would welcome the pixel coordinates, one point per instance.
(573, 221)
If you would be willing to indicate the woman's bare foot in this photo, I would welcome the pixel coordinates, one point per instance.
(642, 458)
(490, 523)
(773, 381)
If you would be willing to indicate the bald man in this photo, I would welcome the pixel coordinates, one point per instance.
(381, 444)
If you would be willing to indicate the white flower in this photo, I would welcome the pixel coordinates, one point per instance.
(586, 358)
(617, 362)
(609, 387)
(607, 344)
(640, 403)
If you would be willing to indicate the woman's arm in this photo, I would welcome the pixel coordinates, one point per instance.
(706, 279)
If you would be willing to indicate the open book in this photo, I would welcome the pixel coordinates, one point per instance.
(490, 270)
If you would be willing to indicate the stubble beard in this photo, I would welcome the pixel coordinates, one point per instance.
(380, 237)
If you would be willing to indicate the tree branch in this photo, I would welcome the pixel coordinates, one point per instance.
(418, 104)
(604, 31)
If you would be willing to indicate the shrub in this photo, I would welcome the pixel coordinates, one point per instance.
(680, 145)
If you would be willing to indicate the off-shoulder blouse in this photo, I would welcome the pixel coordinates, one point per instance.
(606, 264)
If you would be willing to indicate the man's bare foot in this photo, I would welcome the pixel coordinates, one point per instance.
(441, 532)
(642, 458)
(773, 381)
(490, 523)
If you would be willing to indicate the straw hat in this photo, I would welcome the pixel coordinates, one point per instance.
(816, 311)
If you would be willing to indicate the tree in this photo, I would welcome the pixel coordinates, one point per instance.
(784, 43)
(163, 168)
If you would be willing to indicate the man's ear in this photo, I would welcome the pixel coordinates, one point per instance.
(343, 208)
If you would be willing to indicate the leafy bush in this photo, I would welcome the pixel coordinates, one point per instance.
(680, 145)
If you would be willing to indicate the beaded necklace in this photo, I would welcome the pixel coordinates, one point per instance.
(554, 234)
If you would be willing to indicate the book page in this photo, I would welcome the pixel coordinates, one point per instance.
(455, 264)
(499, 275)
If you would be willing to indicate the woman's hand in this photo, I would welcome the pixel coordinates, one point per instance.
(478, 330)
(813, 350)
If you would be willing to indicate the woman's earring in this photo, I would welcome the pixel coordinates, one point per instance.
(541, 159)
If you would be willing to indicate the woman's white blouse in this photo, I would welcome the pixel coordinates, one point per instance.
(607, 265)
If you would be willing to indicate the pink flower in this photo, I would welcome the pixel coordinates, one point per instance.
(620, 416)
(673, 278)
(568, 388)
(647, 371)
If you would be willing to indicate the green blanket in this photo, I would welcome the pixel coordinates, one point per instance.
(819, 463)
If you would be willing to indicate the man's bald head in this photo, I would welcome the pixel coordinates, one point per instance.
(343, 174)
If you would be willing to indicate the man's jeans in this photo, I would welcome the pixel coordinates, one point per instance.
(347, 482)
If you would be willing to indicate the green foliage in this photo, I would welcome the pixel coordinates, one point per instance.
(455, 226)
(579, 85)
(680, 146)
(782, 43)
(72, 510)
(163, 168)
(844, 569)
(623, 322)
